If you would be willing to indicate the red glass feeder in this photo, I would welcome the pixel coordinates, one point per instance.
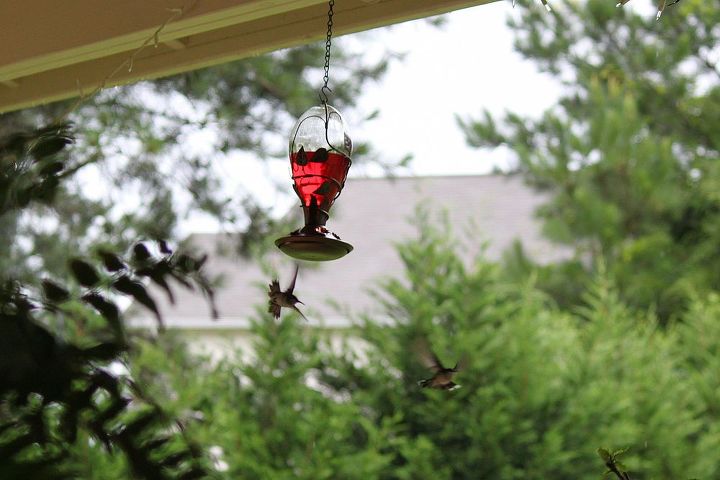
(320, 152)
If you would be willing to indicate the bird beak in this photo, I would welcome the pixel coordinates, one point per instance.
(301, 303)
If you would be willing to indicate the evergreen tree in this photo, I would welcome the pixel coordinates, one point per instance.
(629, 154)
(541, 388)
(263, 413)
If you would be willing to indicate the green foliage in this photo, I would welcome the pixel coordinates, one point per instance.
(629, 161)
(262, 413)
(147, 155)
(628, 154)
(542, 387)
(57, 389)
(30, 167)
(613, 464)
(60, 343)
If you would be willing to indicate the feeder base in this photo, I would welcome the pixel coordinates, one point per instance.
(316, 248)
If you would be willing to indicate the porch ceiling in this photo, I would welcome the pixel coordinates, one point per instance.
(54, 50)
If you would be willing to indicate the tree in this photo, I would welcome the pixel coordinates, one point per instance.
(628, 154)
(63, 411)
(57, 391)
(136, 171)
(59, 400)
(541, 388)
(262, 412)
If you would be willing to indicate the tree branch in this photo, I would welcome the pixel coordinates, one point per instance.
(94, 158)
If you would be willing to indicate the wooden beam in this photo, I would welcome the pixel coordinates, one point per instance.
(176, 44)
(259, 34)
(93, 30)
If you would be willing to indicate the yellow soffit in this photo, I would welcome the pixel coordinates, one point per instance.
(54, 50)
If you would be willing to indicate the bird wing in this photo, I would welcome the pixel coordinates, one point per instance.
(426, 356)
(273, 288)
(291, 287)
(274, 308)
(462, 363)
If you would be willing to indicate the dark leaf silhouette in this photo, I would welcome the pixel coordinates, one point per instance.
(140, 252)
(107, 309)
(182, 280)
(52, 388)
(112, 262)
(141, 422)
(45, 191)
(200, 262)
(136, 290)
(102, 352)
(84, 273)
(28, 171)
(49, 144)
(174, 459)
(69, 418)
(156, 443)
(157, 274)
(52, 168)
(193, 474)
(210, 295)
(164, 248)
(117, 406)
(54, 292)
(185, 263)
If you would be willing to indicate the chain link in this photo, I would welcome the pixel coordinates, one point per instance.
(328, 43)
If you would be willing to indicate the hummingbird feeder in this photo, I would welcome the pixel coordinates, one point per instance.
(320, 150)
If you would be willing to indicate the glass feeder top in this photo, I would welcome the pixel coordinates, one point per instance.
(309, 131)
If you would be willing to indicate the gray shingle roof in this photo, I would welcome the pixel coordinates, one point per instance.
(373, 214)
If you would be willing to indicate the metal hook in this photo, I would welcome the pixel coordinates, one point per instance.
(324, 98)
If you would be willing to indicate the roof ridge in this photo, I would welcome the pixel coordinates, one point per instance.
(439, 176)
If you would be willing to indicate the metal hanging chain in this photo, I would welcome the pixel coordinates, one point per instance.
(328, 43)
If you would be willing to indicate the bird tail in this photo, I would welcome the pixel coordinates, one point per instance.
(425, 383)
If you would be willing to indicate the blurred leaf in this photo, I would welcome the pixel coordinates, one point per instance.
(84, 273)
(112, 262)
(54, 292)
(137, 291)
(140, 252)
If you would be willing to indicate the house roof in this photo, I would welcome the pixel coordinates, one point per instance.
(373, 214)
(55, 50)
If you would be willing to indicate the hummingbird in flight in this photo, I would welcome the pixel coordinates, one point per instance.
(287, 299)
(442, 376)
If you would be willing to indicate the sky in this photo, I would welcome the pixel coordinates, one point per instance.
(459, 69)
(464, 66)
